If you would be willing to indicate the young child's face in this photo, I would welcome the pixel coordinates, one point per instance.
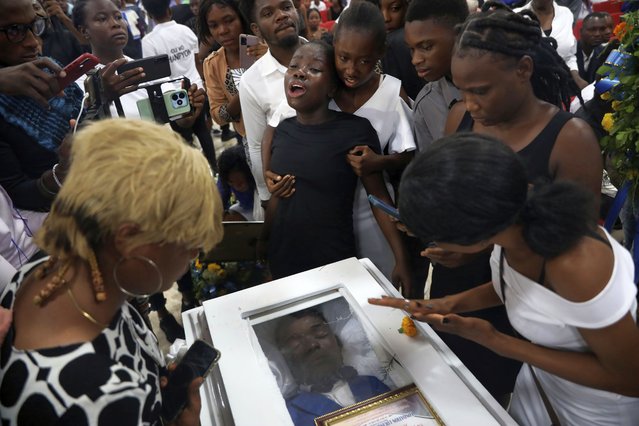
(355, 57)
(431, 45)
(238, 181)
(309, 81)
(394, 12)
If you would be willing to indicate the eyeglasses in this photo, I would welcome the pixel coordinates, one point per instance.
(16, 33)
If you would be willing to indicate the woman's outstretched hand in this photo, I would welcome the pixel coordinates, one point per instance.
(437, 313)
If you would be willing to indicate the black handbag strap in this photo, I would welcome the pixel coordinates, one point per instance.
(554, 420)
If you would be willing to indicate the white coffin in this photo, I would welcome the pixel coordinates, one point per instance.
(243, 389)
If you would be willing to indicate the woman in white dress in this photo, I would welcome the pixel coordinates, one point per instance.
(567, 285)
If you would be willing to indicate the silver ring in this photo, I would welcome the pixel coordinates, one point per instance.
(406, 305)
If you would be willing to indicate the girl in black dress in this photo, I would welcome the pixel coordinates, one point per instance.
(314, 226)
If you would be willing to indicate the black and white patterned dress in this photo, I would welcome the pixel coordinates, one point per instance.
(112, 380)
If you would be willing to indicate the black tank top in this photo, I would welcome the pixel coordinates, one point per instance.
(535, 155)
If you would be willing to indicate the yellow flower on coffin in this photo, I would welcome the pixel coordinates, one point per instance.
(605, 96)
(408, 327)
(607, 122)
(615, 105)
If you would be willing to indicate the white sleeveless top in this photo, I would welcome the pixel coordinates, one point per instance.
(547, 319)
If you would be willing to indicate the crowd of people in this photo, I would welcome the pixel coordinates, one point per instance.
(456, 111)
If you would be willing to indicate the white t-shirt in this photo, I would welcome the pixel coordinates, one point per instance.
(562, 32)
(180, 43)
(261, 93)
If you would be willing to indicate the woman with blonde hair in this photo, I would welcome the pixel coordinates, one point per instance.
(137, 205)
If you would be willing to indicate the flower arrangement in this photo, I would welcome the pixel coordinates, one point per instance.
(215, 279)
(621, 87)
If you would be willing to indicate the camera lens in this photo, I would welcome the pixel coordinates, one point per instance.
(174, 97)
(179, 102)
(181, 95)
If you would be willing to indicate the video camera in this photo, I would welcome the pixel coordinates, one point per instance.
(159, 106)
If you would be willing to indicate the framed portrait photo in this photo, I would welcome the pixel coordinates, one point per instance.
(405, 406)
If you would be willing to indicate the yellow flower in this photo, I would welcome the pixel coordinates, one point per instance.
(214, 267)
(198, 264)
(607, 122)
(615, 105)
(408, 327)
(605, 96)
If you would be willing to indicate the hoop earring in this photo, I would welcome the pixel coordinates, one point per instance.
(143, 259)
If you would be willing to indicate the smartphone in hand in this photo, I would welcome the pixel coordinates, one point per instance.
(80, 66)
(390, 210)
(247, 40)
(198, 361)
(155, 67)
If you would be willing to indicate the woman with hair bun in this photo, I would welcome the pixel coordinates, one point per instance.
(137, 206)
(566, 284)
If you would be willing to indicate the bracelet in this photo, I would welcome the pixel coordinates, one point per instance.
(55, 177)
(46, 191)
(226, 116)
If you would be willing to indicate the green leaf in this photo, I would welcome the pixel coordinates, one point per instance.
(605, 69)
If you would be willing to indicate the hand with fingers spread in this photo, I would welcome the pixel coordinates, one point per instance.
(438, 314)
(417, 308)
(279, 186)
(475, 329)
(115, 85)
(30, 79)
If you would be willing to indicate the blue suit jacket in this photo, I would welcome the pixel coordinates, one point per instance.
(306, 406)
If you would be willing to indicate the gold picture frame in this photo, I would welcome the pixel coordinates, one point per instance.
(403, 406)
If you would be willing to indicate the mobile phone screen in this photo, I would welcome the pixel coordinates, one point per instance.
(197, 362)
(376, 202)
